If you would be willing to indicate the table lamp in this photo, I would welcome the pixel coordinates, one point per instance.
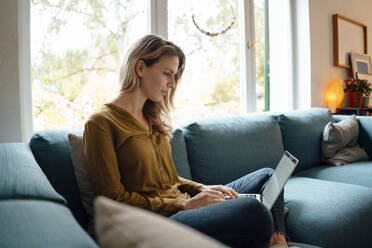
(334, 94)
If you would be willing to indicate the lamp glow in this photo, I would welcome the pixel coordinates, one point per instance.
(334, 94)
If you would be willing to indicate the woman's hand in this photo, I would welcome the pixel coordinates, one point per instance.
(220, 188)
(204, 198)
(208, 195)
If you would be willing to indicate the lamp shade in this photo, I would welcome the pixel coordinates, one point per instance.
(334, 94)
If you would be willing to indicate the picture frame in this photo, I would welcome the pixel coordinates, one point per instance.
(348, 36)
(361, 64)
(364, 76)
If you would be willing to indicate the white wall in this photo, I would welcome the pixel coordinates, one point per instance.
(321, 38)
(15, 93)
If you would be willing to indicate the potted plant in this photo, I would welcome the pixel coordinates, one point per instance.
(359, 91)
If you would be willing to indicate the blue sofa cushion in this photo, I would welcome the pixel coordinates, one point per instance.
(179, 154)
(302, 132)
(358, 173)
(32, 223)
(221, 150)
(21, 176)
(340, 211)
(52, 152)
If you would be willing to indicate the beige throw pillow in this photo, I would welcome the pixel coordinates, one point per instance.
(119, 225)
(348, 155)
(339, 135)
(339, 143)
(87, 193)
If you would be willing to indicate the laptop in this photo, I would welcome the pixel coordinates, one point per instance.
(277, 181)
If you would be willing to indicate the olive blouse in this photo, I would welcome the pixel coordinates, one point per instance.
(130, 164)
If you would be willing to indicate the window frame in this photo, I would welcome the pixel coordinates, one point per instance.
(24, 70)
(158, 21)
(159, 25)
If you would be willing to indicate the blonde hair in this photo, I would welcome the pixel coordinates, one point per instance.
(150, 49)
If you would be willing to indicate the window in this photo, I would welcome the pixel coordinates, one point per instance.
(281, 56)
(261, 49)
(76, 51)
(211, 81)
(77, 47)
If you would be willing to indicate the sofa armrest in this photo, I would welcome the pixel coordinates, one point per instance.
(365, 131)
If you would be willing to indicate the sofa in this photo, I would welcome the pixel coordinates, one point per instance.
(329, 206)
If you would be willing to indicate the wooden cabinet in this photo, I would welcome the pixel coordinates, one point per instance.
(356, 111)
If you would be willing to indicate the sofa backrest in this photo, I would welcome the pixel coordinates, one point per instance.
(302, 131)
(210, 151)
(52, 152)
(21, 177)
(221, 150)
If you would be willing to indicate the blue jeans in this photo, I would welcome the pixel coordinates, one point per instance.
(240, 222)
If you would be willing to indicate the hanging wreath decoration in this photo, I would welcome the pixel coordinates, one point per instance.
(214, 34)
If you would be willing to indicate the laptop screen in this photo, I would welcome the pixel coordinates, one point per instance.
(277, 181)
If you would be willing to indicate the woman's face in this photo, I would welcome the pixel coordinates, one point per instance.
(157, 79)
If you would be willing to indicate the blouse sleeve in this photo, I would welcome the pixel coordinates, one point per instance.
(104, 173)
(189, 186)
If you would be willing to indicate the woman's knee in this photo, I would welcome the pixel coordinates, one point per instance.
(267, 170)
(251, 205)
(254, 211)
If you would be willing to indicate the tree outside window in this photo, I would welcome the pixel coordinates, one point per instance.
(77, 47)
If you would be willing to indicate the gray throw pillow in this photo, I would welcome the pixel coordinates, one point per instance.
(339, 143)
(87, 193)
(119, 225)
(348, 155)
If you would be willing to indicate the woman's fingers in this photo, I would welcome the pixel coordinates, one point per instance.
(227, 190)
(236, 194)
(215, 193)
(230, 192)
(204, 198)
(209, 197)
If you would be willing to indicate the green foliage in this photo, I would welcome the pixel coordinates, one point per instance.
(358, 85)
(225, 90)
(62, 75)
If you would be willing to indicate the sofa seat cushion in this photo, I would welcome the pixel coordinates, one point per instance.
(221, 150)
(34, 223)
(302, 133)
(52, 152)
(340, 211)
(358, 173)
(21, 176)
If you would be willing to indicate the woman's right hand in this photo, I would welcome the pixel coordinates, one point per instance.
(203, 199)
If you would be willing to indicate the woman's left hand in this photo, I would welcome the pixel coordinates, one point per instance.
(225, 190)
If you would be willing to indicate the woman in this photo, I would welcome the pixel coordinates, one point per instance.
(127, 150)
